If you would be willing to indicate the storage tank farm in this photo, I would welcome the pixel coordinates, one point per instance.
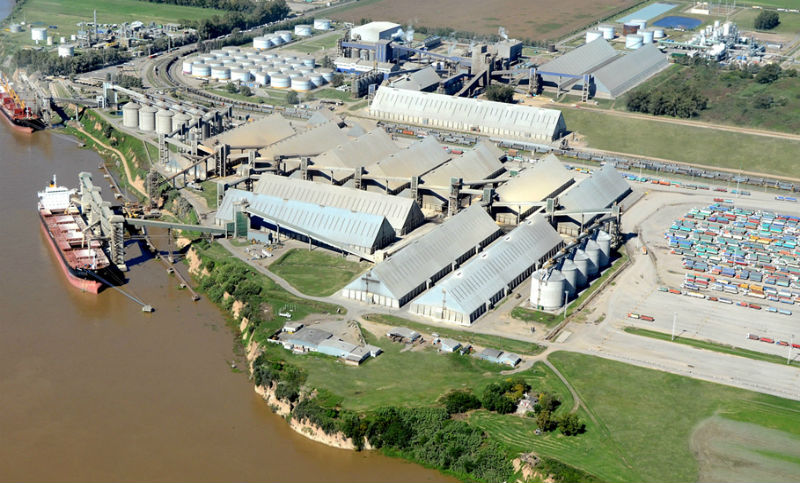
(547, 289)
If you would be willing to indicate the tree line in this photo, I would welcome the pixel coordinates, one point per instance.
(668, 100)
(259, 14)
(231, 5)
(49, 63)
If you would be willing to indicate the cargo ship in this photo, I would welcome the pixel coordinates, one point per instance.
(15, 112)
(81, 256)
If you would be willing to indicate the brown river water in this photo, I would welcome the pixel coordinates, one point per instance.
(92, 389)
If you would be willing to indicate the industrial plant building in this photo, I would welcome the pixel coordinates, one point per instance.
(487, 278)
(417, 266)
(467, 114)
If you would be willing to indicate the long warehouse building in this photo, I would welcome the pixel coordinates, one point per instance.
(416, 267)
(599, 191)
(487, 278)
(403, 214)
(360, 234)
(467, 114)
(545, 179)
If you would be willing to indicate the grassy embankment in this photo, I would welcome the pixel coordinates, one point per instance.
(642, 423)
(688, 144)
(712, 346)
(552, 319)
(317, 273)
(315, 43)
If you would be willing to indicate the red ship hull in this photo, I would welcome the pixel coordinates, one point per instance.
(15, 126)
(83, 284)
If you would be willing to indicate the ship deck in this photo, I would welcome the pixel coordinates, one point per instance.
(68, 232)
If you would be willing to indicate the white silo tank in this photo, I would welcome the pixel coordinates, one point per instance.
(256, 58)
(38, 33)
(216, 63)
(273, 72)
(726, 29)
(570, 273)
(304, 69)
(62, 40)
(15, 28)
(285, 35)
(206, 58)
(231, 49)
(247, 65)
(49, 40)
(294, 74)
(164, 121)
(262, 78)
(647, 36)
(289, 59)
(270, 56)
(147, 119)
(608, 31)
(592, 250)
(240, 75)
(130, 115)
(66, 50)
(633, 42)
(547, 289)
(641, 23)
(219, 53)
(279, 81)
(229, 61)
(220, 73)
(201, 70)
(658, 33)
(276, 40)
(261, 43)
(187, 66)
(73, 38)
(322, 24)
(326, 74)
(285, 69)
(603, 240)
(308, 60)
(179, 120)
(240, 57)
(592, 35)
(581, 262)
(303, 30)
(316, 79)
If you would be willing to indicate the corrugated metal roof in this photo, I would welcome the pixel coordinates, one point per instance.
(335, 226)
(466, 113)
(629, 71)
(491, 271)
(315, 140)
(361, 151)
(414, 264)
(596, 192)
(481, 162)
(264, 132)
(582, 60)
(546, 177)
(418, 159)
(403, 214)
(419, 80)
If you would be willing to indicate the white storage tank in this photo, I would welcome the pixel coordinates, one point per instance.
(316, 79)
(658, 33)
(206, 58)
(231, 49)
(187, 66)
(285, 69)
(201, 70)
(570, 273)
(261, 43)
(66, 50)
(647, 36)
(592, 35)
(608, 31)
(547, 289)
(164, 121)
(247, 65)
(322, 24)
(633, 42)
(304, 69)
(219, 54)
(303, 30)
(15, 28)
(592, 250)
(270, 56)
(262, 78)
(240, 58)
(293, 74)
(275, 40)
(257, 59)
(62, 40)
(308, 60)
(289, 59)
(213, 64)
(604, 241)
(220, 73)
(240, 75)
(38, 33)
(273, 72)
(147, 119)
(326, 74)
(285, 35)
(179, 120)
(641, 23)
(581, 262)
(228, 61)
(130, 115)
(279, 81)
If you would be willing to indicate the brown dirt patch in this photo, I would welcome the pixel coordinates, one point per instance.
(531, 19)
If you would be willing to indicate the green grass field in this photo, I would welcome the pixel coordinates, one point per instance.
(790, 22)
(66, 14)
(484, 340)
(330, 93)
(315, 43)
(686, 143)
(317, 273)
(713, 346)
(771, 3)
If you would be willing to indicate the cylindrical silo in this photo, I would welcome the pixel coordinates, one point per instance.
(607, 30)
(206, 57)
(201, 70)
(228, 62)
(647, 36)
(570, 273)
(629, 28)
(303, 30)
(285, 35)
(326, 74)
(275, 40)
(547, 289)
(270, 56)
(220, 73)
(255, 58)
(581, 262)
(301, 84)
(308, 60)
(592, 35)
(279, 81)
(179, 120)
(304, 69)
(15, 28)
(215, 63)
(219, 53)
(592, 250)
(604, 241)
(187, 66)
(316, 79)
(288, 59)
(246, 65)
(240, 75)
(633, 42)
(147, 118)
(66, 50)
(239, 58)
(130, 115)
(285, 69)
(658, 33)
(293, 74)
(261, 43)
(322, 24)
(164, 121)
(641, 23)
(231, 49)
(38, 33)
(262, 78)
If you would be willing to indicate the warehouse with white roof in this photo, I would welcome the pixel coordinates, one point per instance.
(487, 278)
(629, 71)
(545, 179)
(362, 151)
(416, 267)
(396, 170)
(467, 114)
(599, 191)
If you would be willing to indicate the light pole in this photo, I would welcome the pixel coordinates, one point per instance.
(566, 303)
(674, 323)
(789, 357)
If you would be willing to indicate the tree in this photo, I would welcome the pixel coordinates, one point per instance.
(338, 79)
(570, 425)
(326, 62)
(231, 87)
(763, 101)
(545, 420)
(500, 93)
(547, 402)
(245, 91)
(767, 20)
(457, 402)
(292, 98)
(768, 74)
